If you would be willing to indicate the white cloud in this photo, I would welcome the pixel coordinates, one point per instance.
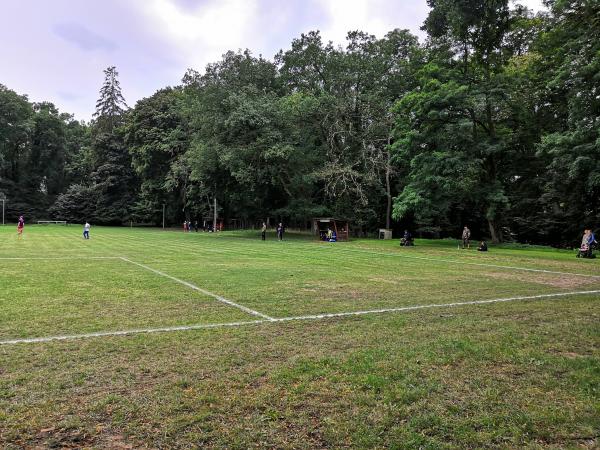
(203, 34)
(372, 16)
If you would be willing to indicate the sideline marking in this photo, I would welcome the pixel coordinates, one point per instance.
(127, 332)
(42, 258)
(285, 319)
(204, 291)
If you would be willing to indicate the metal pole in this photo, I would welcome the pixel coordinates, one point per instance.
(163, 216)
(215, 216)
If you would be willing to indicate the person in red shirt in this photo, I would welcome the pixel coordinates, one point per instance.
(20, 227)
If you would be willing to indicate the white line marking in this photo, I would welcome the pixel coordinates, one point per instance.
(204, 291)
(434, 305)
(470, 263)
(25, 258)
(287, 319)
(127, 332)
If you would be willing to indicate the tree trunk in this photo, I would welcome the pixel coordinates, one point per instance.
(495, 232)
(388, 190)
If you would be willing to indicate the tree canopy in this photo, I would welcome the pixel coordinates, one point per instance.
(492, 122)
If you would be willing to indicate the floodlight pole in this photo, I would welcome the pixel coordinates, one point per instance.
(163, 216)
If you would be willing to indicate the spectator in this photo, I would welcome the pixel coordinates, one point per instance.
(466, 237)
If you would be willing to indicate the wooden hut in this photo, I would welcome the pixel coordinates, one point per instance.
(339, 226)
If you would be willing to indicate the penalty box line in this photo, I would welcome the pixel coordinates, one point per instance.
(470, 263)
(199, 289)
(289, 319)
(436, 305)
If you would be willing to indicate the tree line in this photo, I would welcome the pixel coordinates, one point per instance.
(492, 122)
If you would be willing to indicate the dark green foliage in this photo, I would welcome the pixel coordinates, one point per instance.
(157, 137)
(493, 123)
(37, 145)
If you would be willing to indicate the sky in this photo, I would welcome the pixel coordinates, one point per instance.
(56, 50)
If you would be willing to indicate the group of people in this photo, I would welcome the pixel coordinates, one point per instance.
(328, 235)
(588, 242)
(407, 240)
(466, 241)
(21, 227)
(189, 226)
(280, 230)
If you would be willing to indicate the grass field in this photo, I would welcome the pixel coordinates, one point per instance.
(145, 338)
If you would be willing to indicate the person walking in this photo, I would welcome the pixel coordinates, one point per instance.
(263, 233)
(86, 230)
(466, 237)
(20, 227)
(585, 238)
(591, 241)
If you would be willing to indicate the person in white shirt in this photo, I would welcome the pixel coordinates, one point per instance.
(86, 231)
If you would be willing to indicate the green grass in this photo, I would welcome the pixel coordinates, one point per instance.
(517, 374)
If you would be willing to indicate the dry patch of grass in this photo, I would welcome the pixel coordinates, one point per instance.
(554, 280)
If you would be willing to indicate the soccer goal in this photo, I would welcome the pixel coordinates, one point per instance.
(52, 222)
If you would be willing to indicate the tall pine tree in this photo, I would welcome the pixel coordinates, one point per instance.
(109, 194)
(111, 105)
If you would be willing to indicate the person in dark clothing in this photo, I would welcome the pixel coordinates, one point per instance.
(280, 231)
(263, 233)
(482, 247)
(406, 240)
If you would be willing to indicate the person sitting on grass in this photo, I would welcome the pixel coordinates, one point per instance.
(406, 240)
(482, 247)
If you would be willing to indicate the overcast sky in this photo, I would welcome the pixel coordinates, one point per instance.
(56, 50)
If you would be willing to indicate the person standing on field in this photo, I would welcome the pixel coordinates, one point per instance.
(263, 233)
(86, 230)
(20, 227)
(466, 236)
(280, 231)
